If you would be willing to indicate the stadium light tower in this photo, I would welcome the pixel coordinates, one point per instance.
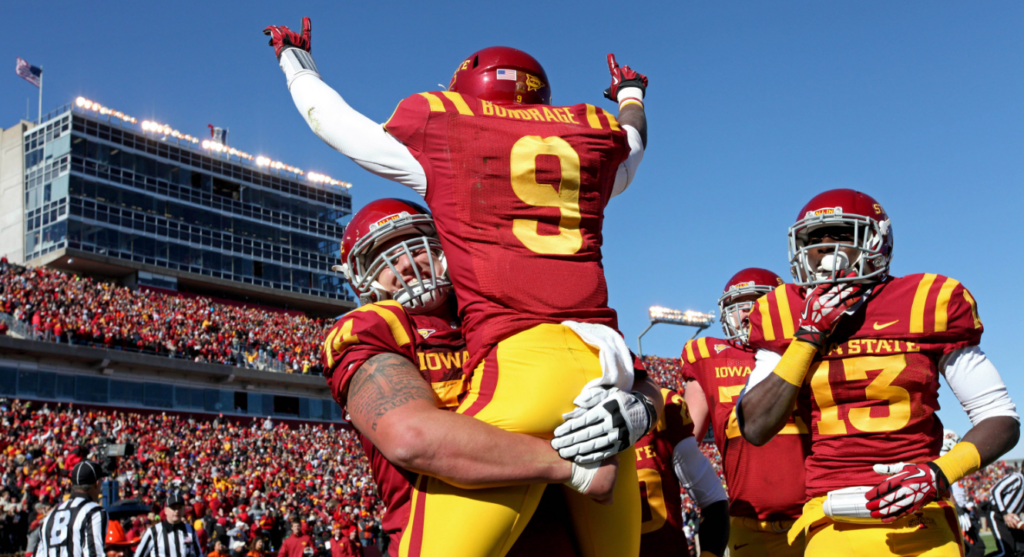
(688, 318)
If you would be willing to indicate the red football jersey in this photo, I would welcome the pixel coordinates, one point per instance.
(765, 483)
(874, 393)
(518, 196)
(660, 500)
(433, 344)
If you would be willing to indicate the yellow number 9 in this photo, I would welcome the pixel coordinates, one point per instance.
(569, 240)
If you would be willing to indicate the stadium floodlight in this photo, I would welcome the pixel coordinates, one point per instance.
(688, 318)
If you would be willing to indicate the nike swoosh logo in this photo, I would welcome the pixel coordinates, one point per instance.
(739, 545)
(880, 327)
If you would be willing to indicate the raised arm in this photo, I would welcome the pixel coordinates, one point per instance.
(333, 120)
(393, 405)
(770, 395)
(628, 88)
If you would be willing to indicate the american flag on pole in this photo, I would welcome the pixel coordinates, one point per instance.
(31, 73)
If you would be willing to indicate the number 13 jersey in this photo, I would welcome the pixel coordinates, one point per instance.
(518, 196)
(873, 391)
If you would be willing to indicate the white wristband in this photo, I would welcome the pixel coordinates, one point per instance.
(582, 475)
(630, 93)
(296, 62)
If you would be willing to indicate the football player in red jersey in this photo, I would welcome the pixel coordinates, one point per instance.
(766, 484)
(668, 458)
(862, 351)
(518, 190)
(395, 365)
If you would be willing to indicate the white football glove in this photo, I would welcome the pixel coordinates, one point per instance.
(965, 522)
(614, 421)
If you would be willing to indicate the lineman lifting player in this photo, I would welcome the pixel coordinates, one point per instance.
(487, 156)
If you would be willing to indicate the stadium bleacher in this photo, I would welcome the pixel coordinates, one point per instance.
(54, 306)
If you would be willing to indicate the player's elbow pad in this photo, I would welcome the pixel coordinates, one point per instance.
(696, 473)
(977, 385)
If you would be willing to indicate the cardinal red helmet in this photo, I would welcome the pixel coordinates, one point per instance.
(502, 75)
(751, 280)
(381, 221)
(869, 226)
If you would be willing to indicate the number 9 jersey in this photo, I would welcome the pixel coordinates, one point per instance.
(873, 391)
(518, 196)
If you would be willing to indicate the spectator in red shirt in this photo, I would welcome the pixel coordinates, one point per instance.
(344, 546)
(298, 544)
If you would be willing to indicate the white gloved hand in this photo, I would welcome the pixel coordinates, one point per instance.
(614, 422)
(965, 522)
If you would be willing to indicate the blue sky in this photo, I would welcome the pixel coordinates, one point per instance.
(753, 109)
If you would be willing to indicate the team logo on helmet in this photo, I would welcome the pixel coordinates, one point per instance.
(387, 219)
(533, 82)
(824, 211)
(742, 285)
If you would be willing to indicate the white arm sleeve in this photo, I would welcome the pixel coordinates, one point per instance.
(959, 494)
(346, 130)
(696, 473)
(977, 385)
(627, 170)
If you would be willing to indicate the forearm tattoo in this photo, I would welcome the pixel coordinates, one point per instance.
(385, 382)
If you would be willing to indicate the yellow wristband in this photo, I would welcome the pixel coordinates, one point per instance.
(795, 362)
(962, 460)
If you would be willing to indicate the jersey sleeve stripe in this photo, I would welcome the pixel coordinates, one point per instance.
(612, 122)
(435, 103)
(592, 117)
(689, 352)
(942, 304)
(786, 316)
(764, 306)
(702, 345)
(920, 301)
(397, 331)
(459, 102)
(327, 347)
(974, 309)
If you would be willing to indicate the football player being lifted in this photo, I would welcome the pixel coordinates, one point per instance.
(766, 484)
(517, 189)
(863, 351)
(395, 365)
(667, 459)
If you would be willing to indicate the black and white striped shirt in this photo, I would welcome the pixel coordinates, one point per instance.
(1008, 494)
(76, 528)
(166, 540)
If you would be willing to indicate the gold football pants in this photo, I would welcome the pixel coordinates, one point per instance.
(749, 537)
(930, 532)
(524, 385)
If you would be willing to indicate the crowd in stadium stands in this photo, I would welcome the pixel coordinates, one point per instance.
(68, 308)
(242, 480)
(666, 372)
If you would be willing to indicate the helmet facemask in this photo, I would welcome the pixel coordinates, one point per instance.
(871, 247)
(734, 327)
(422, 293)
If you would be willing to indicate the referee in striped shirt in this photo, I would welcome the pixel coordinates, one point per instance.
(1004, 515)
(170, 537)
(78, 526)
